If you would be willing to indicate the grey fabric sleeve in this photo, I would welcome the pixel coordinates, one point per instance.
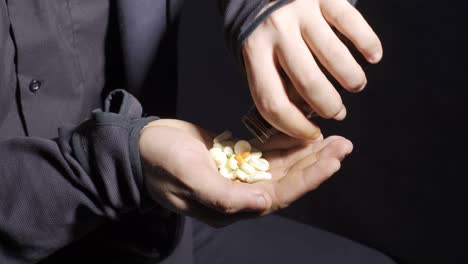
(53, 192)
(241, 19)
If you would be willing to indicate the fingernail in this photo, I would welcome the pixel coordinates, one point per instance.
(261, 202)
(376, 57)
(362, 87)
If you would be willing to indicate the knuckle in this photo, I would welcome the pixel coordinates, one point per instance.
(272, 108)
(311, 79)
(251, 44)
(342, 16)
(248, 46)
(277, 20)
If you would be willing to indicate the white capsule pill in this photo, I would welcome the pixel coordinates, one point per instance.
(233, 163)
(227, 173)
(219, 157)
(241, 175)
(260, 164)
(264, 161)
(242, 146)
(247, 168)
(264, 175)
(255, 154)
(215, 152)
(228, 151)
(223, 136)
(218, 145)
(259, 176)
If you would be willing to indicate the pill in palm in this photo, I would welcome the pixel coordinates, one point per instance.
(218, 145)
(228, 150)
(241, 175)
(219, 156)
(260, 164)
(227, 173)
(238, 160)
(247, 168)
(259, 176)
(233, 163)
(242, 146)
(255, 154)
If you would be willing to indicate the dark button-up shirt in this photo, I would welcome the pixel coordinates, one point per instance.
(55, 63)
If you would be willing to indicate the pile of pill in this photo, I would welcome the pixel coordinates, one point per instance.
(239, 160)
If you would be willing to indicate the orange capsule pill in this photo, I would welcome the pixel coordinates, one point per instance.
(239, 158)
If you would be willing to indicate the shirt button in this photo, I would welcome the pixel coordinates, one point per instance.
(34, 85)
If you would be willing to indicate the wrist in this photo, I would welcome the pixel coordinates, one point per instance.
(137, 161)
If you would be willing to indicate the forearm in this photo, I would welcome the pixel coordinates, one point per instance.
(53, 192)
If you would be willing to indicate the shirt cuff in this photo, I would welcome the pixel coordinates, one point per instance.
(124, 104)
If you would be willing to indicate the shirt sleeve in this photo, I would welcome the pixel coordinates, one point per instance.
(53, 192)
(241, 18)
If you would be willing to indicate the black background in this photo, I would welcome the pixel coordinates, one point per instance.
(402, 190)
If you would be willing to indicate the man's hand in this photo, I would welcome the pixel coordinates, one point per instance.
(290, 40)
(181, 175)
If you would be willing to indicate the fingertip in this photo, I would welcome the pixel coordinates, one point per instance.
(309, 131)
(315, 139)
(259, 203)
(315, 134)
(358, 85)
(344, 147)
(249, 197)
(336, 147)
(375, 57)
(351, 147)
(347, 144)
(341, 115)
(334, 166)
(348, 149)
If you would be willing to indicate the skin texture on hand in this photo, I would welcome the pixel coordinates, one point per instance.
(181, 175)
(294, 40)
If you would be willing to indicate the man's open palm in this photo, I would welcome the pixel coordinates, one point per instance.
(181, 175)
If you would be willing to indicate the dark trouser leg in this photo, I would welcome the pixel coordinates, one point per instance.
(274, 239)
